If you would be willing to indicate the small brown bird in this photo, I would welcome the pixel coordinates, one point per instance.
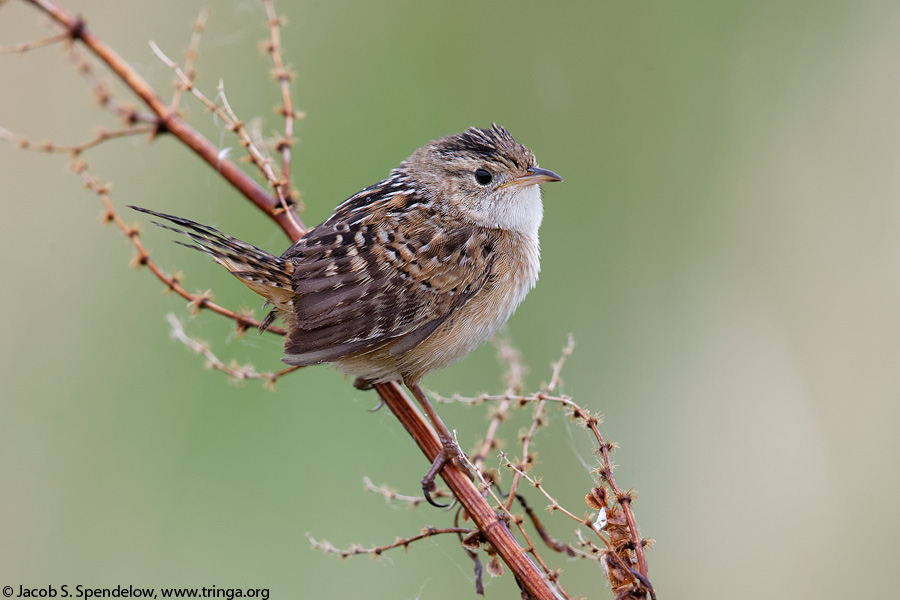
(410, 274)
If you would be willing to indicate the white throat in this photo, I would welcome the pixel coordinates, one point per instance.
(519, 209)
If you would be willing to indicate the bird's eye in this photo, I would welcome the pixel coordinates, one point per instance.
(483, 177)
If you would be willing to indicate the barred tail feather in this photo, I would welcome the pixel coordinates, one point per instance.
(258, 269)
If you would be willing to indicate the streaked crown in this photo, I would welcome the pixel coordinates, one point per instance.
(483, 174)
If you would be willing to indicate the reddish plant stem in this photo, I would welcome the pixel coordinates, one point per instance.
(493, 528)
(170, 121)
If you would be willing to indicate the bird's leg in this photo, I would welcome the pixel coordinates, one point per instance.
(449, 447)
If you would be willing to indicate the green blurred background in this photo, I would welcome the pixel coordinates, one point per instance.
(725, 250)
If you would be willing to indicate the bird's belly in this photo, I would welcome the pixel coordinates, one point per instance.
(464, 330)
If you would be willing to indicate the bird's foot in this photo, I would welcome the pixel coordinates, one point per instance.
(449, 453)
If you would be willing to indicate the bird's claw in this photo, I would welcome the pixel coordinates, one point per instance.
(426, 489)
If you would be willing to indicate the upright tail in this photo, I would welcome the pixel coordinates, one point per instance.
(264, 273)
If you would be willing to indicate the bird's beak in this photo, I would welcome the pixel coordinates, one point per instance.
(535, 176)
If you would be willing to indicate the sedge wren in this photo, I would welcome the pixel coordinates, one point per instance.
(410, 274)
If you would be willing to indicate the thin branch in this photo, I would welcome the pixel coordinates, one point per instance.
(626, 581)
(605, 471)
(554, 505)
(427, 532)
(555, 379)
(232, 123)
(263, 163)
(514, 378)
(623, 535)
(508, 354)
(389, 494)
(102, 135)
(284, 78)
(190, 57)
(550, 575)
(103, 95)
(173, 282)
(538, 417)
(23, 47)
(527, 458)
(623, 498)
(235, 371)
(549, 541)
(172, 122)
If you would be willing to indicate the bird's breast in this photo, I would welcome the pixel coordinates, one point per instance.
(516, 263)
